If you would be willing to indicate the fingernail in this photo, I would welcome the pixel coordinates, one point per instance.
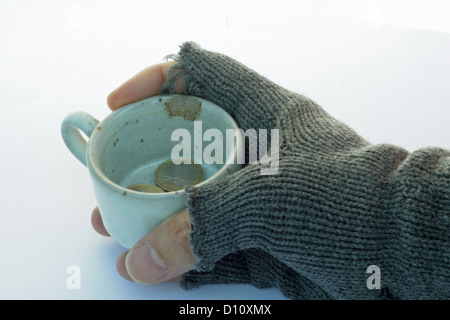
(144, 265)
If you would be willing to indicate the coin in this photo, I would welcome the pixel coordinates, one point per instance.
(173, 177)
(145, 187)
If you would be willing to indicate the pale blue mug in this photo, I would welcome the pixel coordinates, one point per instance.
(127, 146)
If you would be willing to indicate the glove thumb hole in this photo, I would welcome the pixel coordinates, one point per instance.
(164, 253)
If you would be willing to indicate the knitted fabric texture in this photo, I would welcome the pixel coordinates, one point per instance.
(336, 206)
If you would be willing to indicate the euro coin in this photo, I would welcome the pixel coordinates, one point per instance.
(173, 177)
(145, 187)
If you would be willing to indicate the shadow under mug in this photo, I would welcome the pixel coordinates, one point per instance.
(128, 145)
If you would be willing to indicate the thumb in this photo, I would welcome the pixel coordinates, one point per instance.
(162, 255)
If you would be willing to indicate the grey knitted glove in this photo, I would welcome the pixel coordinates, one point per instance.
(336, 206)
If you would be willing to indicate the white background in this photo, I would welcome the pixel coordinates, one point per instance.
(383, 67)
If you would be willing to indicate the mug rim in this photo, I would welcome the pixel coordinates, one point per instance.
(101, 176)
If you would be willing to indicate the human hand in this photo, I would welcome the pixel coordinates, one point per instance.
(314, 227)
(228, 217)
(225, 235)
(164, 254)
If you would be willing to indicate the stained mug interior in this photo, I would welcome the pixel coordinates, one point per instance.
(128, 145)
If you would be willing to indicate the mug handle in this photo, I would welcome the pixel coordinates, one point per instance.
(70, 131)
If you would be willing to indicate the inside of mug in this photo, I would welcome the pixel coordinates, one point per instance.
(133, 141)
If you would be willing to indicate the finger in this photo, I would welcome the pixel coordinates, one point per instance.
(122, 269)
(97, 222)
(163, 254)
(120, 266)
(144, 84)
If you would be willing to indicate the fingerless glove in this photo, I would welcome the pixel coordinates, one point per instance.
(337, 205)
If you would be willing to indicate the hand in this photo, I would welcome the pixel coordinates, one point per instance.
(164, 254)
(337, 203)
